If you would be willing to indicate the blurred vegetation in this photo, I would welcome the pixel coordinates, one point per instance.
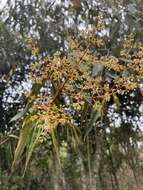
(103, 148)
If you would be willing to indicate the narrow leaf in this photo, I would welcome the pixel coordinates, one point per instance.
(117, 101)
(23, 139)
(95, 115)
(33, 140)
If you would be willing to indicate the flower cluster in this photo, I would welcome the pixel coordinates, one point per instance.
(80, 76)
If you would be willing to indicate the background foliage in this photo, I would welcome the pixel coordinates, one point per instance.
(103, 149)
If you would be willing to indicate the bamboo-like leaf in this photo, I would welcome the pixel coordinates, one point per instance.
(36, 88)
(76, 131)
(53, 89)
(27, 126)
(8, 152)
(117, 101)
(85, 110)
(97, 69)
(95, 115)
(34, 92)
(111, 74)
(20, 114)
(54, 140)
(33, 140)
(23, 139)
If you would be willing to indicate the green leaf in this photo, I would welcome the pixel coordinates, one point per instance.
(34, 91)
(36, 88)
(23, 140)
(22, 113)
(8, 156)
(18, 116)
(97, 69)
(111, 74)
(117, 101)
(95, 115)
(33, 140)
(85, 110)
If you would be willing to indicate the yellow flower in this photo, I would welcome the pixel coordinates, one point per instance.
(77, 106)
(35, 51)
